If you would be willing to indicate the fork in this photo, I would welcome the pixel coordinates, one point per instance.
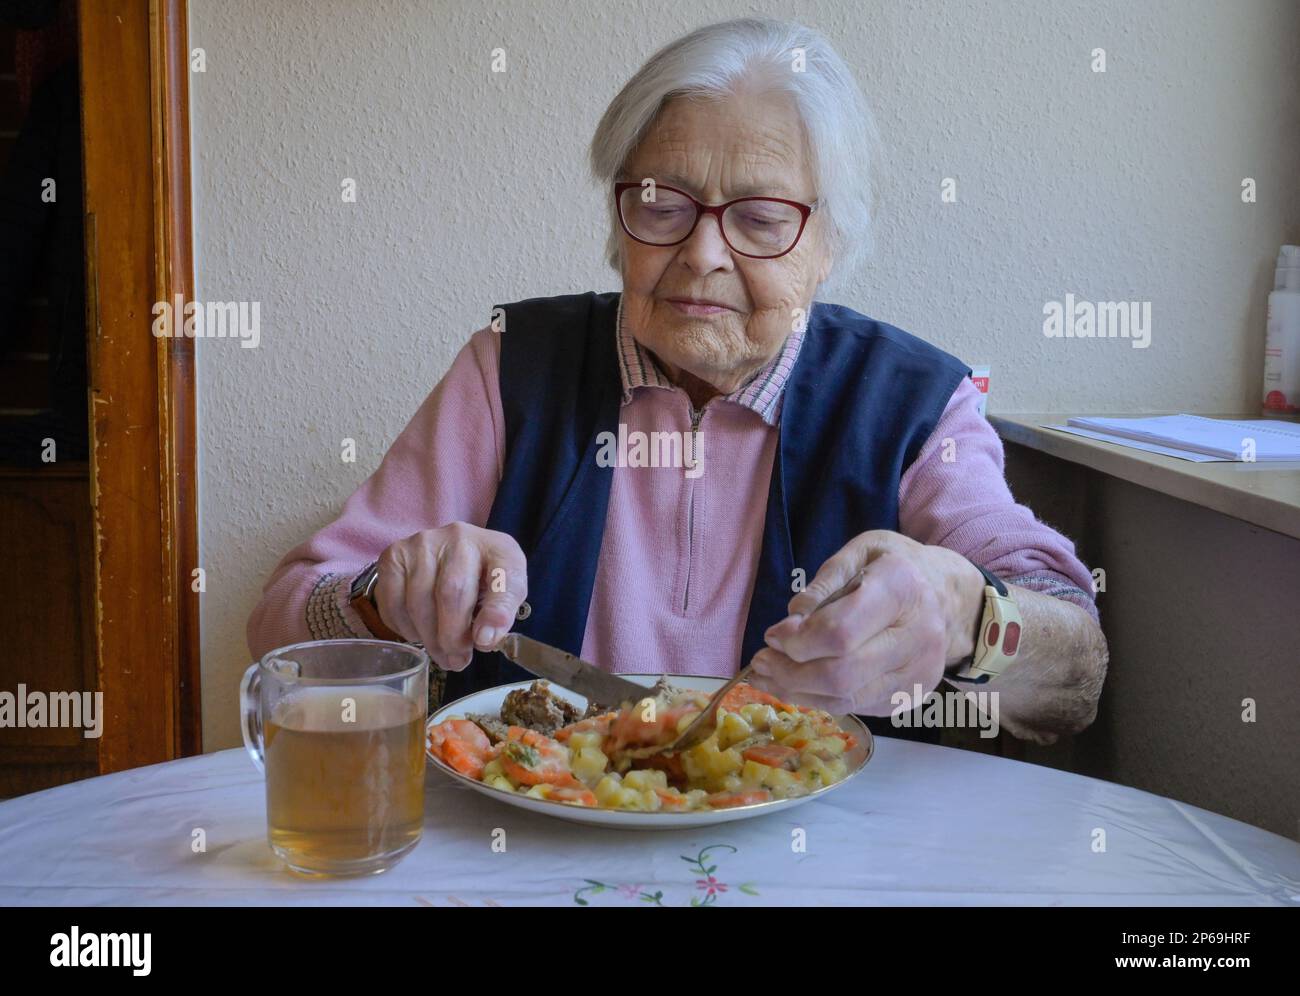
(703, 724)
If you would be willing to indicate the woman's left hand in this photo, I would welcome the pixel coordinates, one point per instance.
(916, 612)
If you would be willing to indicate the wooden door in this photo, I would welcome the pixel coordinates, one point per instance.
(104, 601)
(135, 66)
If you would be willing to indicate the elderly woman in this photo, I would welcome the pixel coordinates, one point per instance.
(805, 447)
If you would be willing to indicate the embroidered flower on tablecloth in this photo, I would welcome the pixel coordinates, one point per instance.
(707, 883)
(710, 885)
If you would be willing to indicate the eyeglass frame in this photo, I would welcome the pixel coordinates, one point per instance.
(716, 210)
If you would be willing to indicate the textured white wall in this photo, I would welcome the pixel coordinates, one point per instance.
(1115, 186)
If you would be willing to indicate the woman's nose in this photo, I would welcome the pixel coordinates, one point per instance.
(706, 250)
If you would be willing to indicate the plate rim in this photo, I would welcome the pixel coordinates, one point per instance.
(771, 804)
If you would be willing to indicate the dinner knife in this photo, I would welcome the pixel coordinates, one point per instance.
(571, 672)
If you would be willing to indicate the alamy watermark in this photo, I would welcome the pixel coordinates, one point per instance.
(214, 320)
(1073, 319)
(60, 710)
(950, 709)
(651, 449)
(102, 950)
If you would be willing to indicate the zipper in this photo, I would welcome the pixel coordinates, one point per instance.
(696, 418)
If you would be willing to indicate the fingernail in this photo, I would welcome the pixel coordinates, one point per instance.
(487, 635)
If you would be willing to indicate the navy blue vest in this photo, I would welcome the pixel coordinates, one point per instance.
(861, 401)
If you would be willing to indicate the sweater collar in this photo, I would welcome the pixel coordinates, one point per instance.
(762, 393)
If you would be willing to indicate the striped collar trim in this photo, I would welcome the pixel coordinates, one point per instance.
(761, 394)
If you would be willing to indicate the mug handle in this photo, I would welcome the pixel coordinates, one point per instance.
(250, 715)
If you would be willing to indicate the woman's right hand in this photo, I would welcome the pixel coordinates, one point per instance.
(453, 588)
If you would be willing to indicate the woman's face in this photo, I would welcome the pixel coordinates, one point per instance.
(717, 151)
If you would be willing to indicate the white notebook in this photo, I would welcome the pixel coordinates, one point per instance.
(1219, 438)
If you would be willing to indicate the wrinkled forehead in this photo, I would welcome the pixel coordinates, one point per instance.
(734, 147)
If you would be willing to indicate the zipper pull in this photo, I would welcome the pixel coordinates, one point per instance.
(692, 459)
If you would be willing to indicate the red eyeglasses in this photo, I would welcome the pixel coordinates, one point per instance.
(757, 227)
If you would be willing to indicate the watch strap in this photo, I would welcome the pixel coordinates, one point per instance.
(362, 601)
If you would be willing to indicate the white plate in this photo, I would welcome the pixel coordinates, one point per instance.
(489, 702)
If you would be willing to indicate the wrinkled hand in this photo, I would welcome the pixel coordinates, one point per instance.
(916, 612)
(453, 588)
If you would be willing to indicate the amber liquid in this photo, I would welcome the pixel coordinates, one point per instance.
(344, 797)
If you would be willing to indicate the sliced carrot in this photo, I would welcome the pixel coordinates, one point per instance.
(773, 755)
(530, 758)
(573, 796)
(745, 694)
(537, 774)
(539, 741)
(458, 729)
(850, 741)
(669, 799)
(727, 800)
(463, 757)
(599, 724)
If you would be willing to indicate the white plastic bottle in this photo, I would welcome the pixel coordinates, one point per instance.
(1282, 341)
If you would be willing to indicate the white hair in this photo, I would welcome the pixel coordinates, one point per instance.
(717, 61)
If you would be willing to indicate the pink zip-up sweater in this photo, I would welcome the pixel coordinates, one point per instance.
(680, 553)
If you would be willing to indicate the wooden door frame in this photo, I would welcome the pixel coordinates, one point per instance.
(134, 62)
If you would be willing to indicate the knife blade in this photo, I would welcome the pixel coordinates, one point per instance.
(571, 672)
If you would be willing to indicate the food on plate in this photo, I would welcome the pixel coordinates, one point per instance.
(761, 749)
(495, 729)
(536, 708)
(462, 744)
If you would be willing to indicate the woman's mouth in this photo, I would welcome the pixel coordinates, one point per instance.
(695, 306)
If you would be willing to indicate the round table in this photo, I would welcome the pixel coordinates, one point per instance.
(921, 824)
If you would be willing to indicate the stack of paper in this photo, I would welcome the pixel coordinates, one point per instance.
(1195, 437)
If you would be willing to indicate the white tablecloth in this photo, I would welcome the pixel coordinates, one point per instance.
(920, 825)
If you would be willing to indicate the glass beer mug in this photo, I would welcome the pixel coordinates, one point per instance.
(337, 726)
